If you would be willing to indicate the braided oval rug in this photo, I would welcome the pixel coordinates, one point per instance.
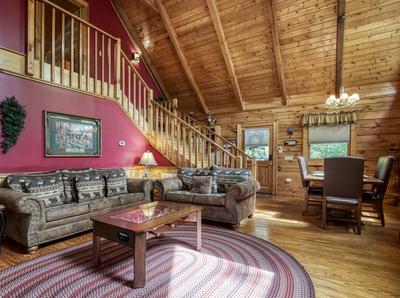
(230, 264)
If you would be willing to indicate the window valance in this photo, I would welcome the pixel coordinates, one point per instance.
(325, 118)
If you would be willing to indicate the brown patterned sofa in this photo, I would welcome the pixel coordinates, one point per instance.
(231, 200)
(42, 207)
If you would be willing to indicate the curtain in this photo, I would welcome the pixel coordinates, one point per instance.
(324, 118)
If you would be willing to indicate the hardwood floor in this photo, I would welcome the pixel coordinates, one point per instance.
(340, 263)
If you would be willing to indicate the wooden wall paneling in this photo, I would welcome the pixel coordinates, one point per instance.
(174, 38)
(225, 51)
(277, 50)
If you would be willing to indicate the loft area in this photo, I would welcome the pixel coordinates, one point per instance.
(169, 147)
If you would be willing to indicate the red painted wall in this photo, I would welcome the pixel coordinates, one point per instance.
(28, 154)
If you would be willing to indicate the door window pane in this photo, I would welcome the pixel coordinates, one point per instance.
(256, 143)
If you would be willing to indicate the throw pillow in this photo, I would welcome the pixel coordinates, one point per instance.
(115, 182)
(71, 194)
(213, 174)
(89, 186)
(49, 189)
(201, 184)
(16, 181)
(186, 175)
(229, 176)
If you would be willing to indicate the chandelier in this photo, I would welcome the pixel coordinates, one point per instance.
(343, 101)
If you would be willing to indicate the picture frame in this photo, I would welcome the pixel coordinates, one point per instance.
(71, 135)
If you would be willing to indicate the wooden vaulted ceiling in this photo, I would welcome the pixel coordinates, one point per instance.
(228, 56)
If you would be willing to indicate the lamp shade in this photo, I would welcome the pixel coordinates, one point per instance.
(148, 159)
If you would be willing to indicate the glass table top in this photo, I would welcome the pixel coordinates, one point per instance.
(145, 213)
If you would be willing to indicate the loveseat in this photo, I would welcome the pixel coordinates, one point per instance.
(43, 207)
(231, 199)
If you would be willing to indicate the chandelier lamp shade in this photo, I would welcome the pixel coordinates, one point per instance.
(146, 161)
(344, 100)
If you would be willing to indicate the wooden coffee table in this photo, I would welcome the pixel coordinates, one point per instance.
(133, 226)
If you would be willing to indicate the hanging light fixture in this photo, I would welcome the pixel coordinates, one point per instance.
(343, 101)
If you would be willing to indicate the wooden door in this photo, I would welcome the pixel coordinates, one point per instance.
(264, 164)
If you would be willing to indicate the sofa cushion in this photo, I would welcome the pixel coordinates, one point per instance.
(103, 204)
(202, 184)
(229, 176)
(69, 184)
(50, 191)
(179, 196)
(65, 211)
(186, 175)
(130, 198)
(15, 181)
(115, 182)
(90, 186)
(213, 199)
(213, 174)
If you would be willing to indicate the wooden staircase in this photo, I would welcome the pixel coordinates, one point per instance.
(104, 70)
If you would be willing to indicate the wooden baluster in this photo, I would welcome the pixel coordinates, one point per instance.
(196, 152)
(109, 69)
(157, 128)
(150, 109)
(167, 134)
(178, 143)
(190, 141)
(96, 54)
(162, 130)
(80, 57)
(42, 41)
(145, 110)
(30, 38)
(139, 103)
(134, 96)
(184, 142)
(129, 90)
(209, 154)
(72, 51)
(117, 62)
(88, 58)
(240, 163)
(253, 167)
(53, 44)
(62, 67)
(102, 66)
(123, 88)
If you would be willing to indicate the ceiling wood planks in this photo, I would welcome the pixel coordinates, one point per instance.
(277, 50)
(150, 4)
(225, 51)
(174, 38)
(138, 44)
(339, 46)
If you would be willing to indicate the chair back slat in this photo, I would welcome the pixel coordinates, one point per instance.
(343, 177)
(383, 171)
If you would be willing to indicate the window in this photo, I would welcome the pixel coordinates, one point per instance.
(329, 141)
(256, 143)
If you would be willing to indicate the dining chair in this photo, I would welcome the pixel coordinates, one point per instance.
(343, 180)
(312, 195)
(374, 197)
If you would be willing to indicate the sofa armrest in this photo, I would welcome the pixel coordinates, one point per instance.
(168, 184)
(243, 189)
(20, 202)
(140, 185)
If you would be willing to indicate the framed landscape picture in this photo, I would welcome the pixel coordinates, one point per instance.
(68, 135)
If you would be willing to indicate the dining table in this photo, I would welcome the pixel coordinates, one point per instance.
(318, 176)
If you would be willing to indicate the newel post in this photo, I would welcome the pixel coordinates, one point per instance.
(30, 37)
(254, 167)
(117, 64)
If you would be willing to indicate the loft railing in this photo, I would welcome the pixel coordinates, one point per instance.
(67, 50)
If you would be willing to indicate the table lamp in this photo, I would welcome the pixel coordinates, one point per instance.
(147, 160)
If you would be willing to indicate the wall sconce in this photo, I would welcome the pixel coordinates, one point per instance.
(136, 57)
(211, 119)
(290, 131)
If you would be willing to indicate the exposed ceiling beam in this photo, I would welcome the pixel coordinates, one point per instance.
(339, 46)
(138, 45)
(212, 7)
(277, 51)
(174, 38)
(150, 4)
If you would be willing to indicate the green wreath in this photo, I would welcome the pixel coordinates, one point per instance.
(12, 121)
